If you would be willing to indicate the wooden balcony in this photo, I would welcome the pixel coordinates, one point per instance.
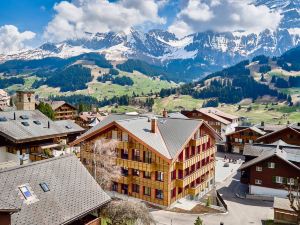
(125, 180)
(136, 165)
(149, 182)
(199, 141)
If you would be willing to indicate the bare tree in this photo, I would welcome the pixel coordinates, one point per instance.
(294, 198)
(105, 169)
(123, 212)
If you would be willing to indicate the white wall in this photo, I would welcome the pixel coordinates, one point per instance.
(257, 190)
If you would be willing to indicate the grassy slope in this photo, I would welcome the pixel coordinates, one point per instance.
(142, 84)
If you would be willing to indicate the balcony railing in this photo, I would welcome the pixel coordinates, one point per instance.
(136, 165)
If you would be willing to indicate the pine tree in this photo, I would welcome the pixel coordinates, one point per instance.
(198, 221)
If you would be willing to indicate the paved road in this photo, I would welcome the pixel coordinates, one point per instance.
(241, 211)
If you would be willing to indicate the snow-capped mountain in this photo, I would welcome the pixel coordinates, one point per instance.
(207, 50)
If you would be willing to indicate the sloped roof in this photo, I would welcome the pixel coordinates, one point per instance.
(253, 128)
(56, 104)
(172, 135)
(14, 130)
(280, 153)
(73, 191)
(276, 132)
(177, 115)
(211, 112)
(7, 207)
(256, 149)
(282, 203)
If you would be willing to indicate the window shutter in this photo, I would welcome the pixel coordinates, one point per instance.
(284, 180)
(274, 179)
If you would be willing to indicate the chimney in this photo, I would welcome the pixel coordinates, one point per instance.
(262, 123)
(165, 113)
(48, 124)
(154, 127)
(14, 115)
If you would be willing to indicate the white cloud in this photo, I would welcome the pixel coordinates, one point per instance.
(73, 19)
(12, 40)
(222, 16)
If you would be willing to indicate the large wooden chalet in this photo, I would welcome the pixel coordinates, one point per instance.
(162, 159)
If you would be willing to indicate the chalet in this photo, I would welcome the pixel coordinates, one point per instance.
(53, 191)
(222, 122)
(89, 119)
(235, 141)
(32, 133)
(62, 110)
(162, 159)
(289, 134)
(270, 168)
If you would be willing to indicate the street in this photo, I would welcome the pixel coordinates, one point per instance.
(240, 211)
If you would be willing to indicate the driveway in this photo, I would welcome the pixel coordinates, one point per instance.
(240, 211)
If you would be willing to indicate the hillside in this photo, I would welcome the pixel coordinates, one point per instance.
(276, 77)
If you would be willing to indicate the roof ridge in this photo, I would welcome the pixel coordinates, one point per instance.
(36, 163)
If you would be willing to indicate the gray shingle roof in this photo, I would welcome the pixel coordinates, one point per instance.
(293, 151)
(16, 131)
(73, 191)
(173, 132)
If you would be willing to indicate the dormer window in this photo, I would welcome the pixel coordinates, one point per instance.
(26, 124)
(24, 117)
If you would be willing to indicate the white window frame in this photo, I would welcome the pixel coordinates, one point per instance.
(236, 140)
(271, 165)
(279, 180)
(250, 141)
(258, 181)
(258, 169)
(290, 181)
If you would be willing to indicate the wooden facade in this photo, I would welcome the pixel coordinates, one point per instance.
(65, 112)
(150, 176)
(288, 135)
(275, 176)
(236, 141)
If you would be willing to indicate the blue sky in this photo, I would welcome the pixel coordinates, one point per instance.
(34, 15)
(28, 23)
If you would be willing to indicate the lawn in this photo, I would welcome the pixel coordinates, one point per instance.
(142, 85)
(173, 103)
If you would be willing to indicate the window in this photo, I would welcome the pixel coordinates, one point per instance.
(136, 173)
(290, 181)
(271, 165)
(236, 140)
(136, 155)
(114, 135)
(257, 181)
(251, 141)
(25, 191)
(173, 175)
(159, 194)
(136, 188)
(147, 157)
(147, 175)
(279, 180)
(45, 187)
(124, 137)
(241, 140)
(159, 176)
(124, 171)
(258, 168)
(147, 191)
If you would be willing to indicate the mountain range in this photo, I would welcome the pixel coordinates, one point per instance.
(190, 57)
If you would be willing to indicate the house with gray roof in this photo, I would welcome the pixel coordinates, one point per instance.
(31, 133)
(50, 192)
(152, 151)
(270, 168)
